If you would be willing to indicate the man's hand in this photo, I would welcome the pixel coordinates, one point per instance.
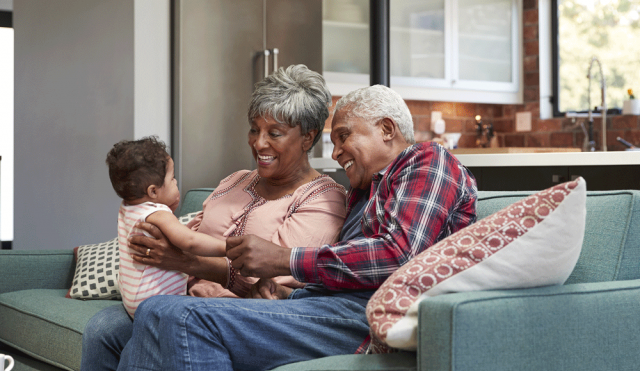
(157, 251)
(253, 256)
(266, 288)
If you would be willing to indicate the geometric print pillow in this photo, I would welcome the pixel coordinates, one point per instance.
(97, 269)
(531, 243)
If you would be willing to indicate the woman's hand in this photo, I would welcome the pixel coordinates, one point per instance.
(158, 251)
(266, 288)
(203, 288)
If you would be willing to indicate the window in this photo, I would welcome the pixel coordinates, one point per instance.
(445, 50)
(606, 29)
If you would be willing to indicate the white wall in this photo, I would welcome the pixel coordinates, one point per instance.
(6, 134)
(75, 96)
(6, 5)
(152, 38)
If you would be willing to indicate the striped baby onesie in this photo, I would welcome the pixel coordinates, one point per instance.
(139, 281)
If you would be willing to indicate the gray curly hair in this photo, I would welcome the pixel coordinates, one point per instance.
(377, 102)
(294, 96)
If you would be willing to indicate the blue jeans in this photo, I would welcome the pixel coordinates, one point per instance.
(103, 339)
(188, 333)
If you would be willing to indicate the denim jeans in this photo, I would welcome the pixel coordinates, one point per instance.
(103, 339)
(188, 333)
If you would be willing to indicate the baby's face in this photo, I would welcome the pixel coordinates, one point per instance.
(169, 194)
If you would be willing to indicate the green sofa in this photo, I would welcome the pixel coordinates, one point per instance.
(590, 323)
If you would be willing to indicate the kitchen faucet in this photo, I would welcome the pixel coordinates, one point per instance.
(603, 90)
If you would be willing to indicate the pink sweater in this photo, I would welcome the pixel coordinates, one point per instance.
(312, 216)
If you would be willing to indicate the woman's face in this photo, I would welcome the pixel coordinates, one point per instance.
(169, 194)
(279, 149)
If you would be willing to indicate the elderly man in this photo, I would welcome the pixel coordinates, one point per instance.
(404, 197)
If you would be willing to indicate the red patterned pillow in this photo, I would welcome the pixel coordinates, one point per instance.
(534, 242)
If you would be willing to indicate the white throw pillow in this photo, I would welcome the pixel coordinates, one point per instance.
(534, 242)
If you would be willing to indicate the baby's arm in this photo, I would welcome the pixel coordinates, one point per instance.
(185, 238)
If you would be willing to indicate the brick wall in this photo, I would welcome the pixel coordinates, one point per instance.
(557, 132)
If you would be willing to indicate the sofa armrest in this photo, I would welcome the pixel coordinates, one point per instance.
(592, 326)
(36, 269)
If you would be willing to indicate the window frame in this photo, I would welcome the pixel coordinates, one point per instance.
(555, 65)
(555, 61)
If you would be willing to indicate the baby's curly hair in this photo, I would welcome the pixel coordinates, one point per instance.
(134, 165)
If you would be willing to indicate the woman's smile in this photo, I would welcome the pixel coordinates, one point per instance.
(265, 160)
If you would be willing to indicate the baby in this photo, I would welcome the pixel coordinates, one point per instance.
(141, 173)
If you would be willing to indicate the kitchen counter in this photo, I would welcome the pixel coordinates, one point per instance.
(536, 171)
(527, 159)
(496, 150)
(551, 159)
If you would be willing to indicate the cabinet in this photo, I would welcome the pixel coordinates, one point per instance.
(535, 178)
(451, 50)
(219, 56)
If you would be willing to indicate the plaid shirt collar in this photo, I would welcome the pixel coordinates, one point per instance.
(356, 193)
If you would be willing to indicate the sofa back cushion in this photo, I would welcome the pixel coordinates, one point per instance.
(611, 246)
(193, 200)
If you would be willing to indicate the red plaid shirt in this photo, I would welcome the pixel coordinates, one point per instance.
(423, 196)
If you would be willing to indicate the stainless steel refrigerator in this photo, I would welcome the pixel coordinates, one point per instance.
(219, 54)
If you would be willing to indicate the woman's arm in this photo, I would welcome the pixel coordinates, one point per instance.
(163, 254)
(185, 238)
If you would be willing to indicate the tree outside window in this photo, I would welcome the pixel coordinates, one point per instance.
(606, 29)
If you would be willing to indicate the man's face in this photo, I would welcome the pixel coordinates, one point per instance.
(358, 145)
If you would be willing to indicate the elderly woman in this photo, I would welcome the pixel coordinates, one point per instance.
(285, 201)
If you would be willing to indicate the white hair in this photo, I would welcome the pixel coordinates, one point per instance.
(377, 102)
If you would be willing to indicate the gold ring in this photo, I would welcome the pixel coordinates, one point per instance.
(148, 251)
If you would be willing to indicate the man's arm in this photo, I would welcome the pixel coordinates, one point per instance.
(163, 254)
(253, 256)
(422, 199)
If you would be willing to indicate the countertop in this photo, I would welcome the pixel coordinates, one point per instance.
(526, 159)
(484, 151)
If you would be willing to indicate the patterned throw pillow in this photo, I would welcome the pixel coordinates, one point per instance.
(534, 242)
(185, 219)
(97, 268)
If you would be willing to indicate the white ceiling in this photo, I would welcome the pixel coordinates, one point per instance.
(6, 5)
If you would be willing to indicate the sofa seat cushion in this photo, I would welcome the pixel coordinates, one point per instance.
(403, 361)
(46, 325)
(24, 362)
